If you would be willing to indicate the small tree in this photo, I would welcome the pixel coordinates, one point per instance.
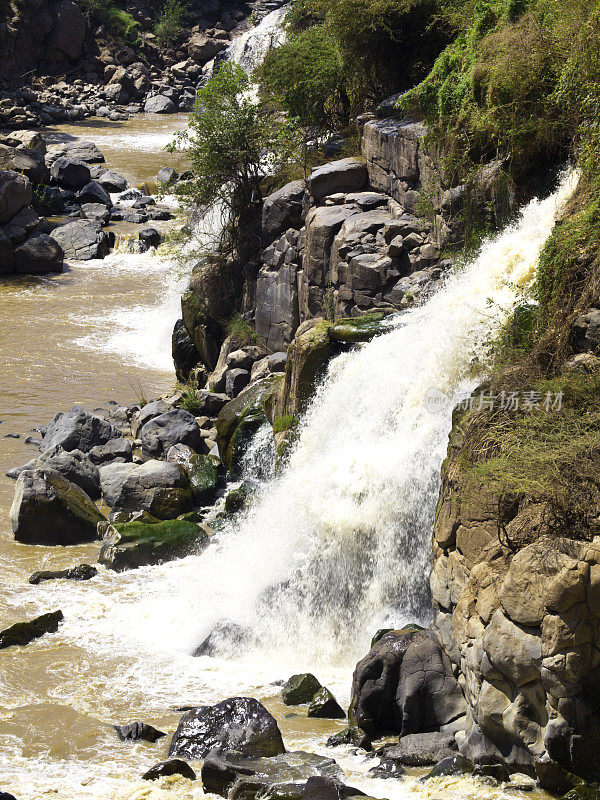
(170, 26)
(232, 140)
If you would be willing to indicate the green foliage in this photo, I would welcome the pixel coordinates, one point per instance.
(119, 24)
(241, 331)
(284, 423)
(229, 140)
(170, 26)
(515, 82)
(190, 402)
(342, 55)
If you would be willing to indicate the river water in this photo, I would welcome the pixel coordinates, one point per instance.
(350, 518)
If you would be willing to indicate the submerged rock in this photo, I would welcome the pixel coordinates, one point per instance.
(282, 775)
(300, 689)
(48, 509)
(173, 766)
(83, 572)
(452, 765)
(136, 544)
(352, 736)
(225, 635)
(24, 632)
(239, 724)
(136, 731)
(325, 706)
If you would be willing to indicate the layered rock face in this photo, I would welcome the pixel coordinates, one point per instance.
(518, 612)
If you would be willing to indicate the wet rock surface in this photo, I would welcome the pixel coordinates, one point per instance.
(240, 724)
(23, 633)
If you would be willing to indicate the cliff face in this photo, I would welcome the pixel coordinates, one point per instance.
(518, 613)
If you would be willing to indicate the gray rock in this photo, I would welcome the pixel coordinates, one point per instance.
(77, 429)
(150, 410)
(15, 194)
(277, 362)
(149, 237)
(283, 209)
(586, 331)
(167, 176)
(201, 48)
(39, 255)
(210, 403)
(405, 684)
(235, 381)
(159, 104)
(345, 175)
(160, 488)
(300, 689)
(75, 466)
(173, 427)
(94, 192)
(325, 706)
(84, 151)
(82, 240)
(174, 766)
(117, 450)
(95, 212)
(286, 775)
(47, 509)
(112, 181)
(240, 724)
(421, 749)
(70, 172)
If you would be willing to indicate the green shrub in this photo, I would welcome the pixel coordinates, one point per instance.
(284, 423)
(119, 24)
(190, 402)
(241, 331)
(170, 25)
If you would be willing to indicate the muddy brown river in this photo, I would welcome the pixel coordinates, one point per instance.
(100, 332)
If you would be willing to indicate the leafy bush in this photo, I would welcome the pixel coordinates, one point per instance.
(119, 24)
(342, 55)
(241, 331)
(170, 26)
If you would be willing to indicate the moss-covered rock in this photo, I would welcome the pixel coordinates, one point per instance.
(325, 706)
(357, 329)
(48, 509)
(236, 499)
(201, 471)
(300, 689)
(239, 420)
(136, 544)
(308, 356)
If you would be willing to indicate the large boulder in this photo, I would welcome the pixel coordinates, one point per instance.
(239, 724)
(24, 161)
(77, 429)
(93, 192)
(239, 420)
(287, 775)
(421, 749)
(405, 684)
(307, 359)
(300, 689)
(159, 104)
(70, 172)
(82, 240)
(48, 509)
(173, 427)
(129, 545)
(345, 175)
(84, 151)
(325, 706)
(160, 488)
(15, 194)
(202, 49)
(200, 469)
(75, 466)
(111, 181)
(183, 350)
(39, 255)
(283, 209)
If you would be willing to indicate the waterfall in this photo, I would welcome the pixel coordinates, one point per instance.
(339, 544)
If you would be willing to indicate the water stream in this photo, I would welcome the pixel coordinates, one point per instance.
(332, 549)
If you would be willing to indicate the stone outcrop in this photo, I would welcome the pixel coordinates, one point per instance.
(518, 613)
